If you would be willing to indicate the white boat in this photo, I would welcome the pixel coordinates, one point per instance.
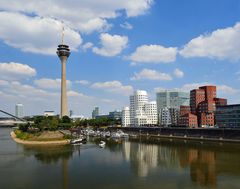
(76, 141)
(119, 134)
(80, 139)
(102, 144)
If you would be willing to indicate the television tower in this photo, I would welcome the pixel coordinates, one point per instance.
(63, 53)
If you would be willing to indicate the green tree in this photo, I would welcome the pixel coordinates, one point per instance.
(66, 119)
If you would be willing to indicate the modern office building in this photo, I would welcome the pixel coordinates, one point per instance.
(150, 110)
(19, 110)
(168, 103)
(63, 53)
(172, 99)
(117, 114)
(164, 117)
(203, 103)
(126, 117)
(142, 112)
(95, 112)
(137, 102)
(174, 115)
(228, 116)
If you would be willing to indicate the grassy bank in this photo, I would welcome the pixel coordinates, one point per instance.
(41, 136)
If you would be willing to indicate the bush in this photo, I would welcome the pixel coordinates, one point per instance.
(65, 125)
(24, 127)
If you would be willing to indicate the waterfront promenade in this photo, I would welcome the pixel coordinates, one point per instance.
(206, 134)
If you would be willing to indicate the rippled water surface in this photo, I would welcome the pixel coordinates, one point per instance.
(136, 163)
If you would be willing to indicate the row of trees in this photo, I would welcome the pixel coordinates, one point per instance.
(97, 122)
(54, 123)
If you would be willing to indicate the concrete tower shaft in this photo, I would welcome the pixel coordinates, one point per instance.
(63, 53)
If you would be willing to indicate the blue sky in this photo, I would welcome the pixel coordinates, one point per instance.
(117, 47)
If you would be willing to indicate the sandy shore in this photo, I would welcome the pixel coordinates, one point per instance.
(57, 142)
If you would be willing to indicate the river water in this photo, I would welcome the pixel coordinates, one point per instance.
(136, 163)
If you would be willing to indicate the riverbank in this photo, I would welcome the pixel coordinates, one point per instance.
(32, 142)
(200, 134)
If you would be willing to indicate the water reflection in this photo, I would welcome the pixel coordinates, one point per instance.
(53, 155)
(134, 163)
(50, 155)
(203, 164)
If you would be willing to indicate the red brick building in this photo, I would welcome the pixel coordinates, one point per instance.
(203, 103)
(184, 110)
(188, 120)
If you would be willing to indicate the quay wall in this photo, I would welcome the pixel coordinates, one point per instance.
(227, 134)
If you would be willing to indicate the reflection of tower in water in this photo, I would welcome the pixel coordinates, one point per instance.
(65, 172)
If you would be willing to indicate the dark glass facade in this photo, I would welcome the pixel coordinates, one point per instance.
(228, 116)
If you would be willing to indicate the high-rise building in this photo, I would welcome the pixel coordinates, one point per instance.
(95, 112)
(150, 109)
(142, 112)
(19, 110)
(203, 103)
(137, 102)
(63, 53)
(168, 104)
(126, 117)
(172, 99)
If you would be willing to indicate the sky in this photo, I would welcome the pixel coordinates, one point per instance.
(116, 47)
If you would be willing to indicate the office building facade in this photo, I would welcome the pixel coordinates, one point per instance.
(228, 116)
(168, 104)
(142, 112)
(19, 110)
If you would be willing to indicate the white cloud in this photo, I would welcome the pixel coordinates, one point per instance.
(77, 94)
(223, 89)
(114, 87)
(82, 82)
(36, 100)
(85, 15)
(153, 54)
(148, 74)
(112, 45)
(3, 83)
(87, 46)
(46, 83)
(220, 44)
(178, 73)
(35, 34)
(126, 25)
(14, 71)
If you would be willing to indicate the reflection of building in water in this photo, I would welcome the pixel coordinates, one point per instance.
(168, 157)
(143, 158)
(126, 150)
(202, 166)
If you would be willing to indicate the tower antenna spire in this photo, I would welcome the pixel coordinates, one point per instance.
(62, 32)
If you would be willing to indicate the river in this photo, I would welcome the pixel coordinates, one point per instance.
(136, 163)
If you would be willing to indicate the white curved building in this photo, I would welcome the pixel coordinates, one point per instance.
(126, 117)
(142, 112)
(150, 109)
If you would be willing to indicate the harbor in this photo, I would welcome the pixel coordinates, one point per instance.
(123, 163)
